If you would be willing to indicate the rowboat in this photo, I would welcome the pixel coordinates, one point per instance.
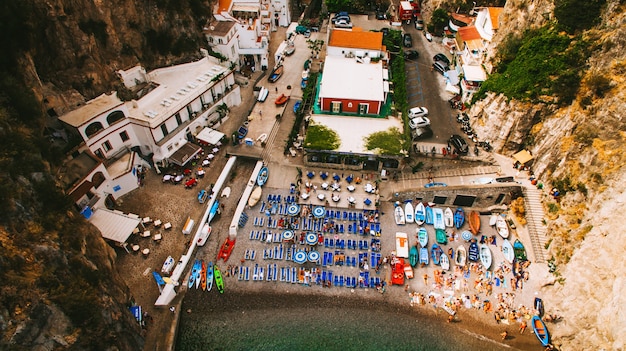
(261, 179)
(399, 215)
(429, 215)
(473, 252)
(203, 276)
(519, 250)
(413, 256)
(493, 219)
(281, 100)
(255, 196)
(485, 256)
(445, 262)
(408, 212)
(226, 249)
(435, 254)
(263, 93)
(209, 276)
(219, 282)
(502, 227)
(507, 251)
(420, 213)
(438, 221)
(474, 222)
(276, 73)
(540, 330)
(460, 256)
(397, 273)
(459, 218)
(424, 256)
(422, 237)
(194, 274)
(204, 234)
(441, 236)
(448, 217)
(296, 106)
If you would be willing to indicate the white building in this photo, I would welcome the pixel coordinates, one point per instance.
(173, 104)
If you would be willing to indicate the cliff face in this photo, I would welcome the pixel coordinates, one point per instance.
(579, 149)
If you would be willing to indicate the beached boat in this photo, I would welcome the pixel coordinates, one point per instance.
(219, 281)
(459, 218)
(398, 214)
(429, 215)
(460, 256)
(263, 93)
(435, 254)
(539, 327)
(213, 212)
(474, 222)
(448, 217)
(420, 213)
(305, 74)
(397, 273)
(277, 72)
(413, 256)
(493, 219)
(422, 237)
(408, 212)
(438, 221)
(507, 251)
(296, 106)
(519, 250)
(204, 234)
(281, 100)
(209, 276)
(226, 249)
(402, 245)
(445, 261)
(255, 196)
(424, 256)
(441, 236)
(502, 227)
(485, 256)
(195, 273)
(473, 252)
(261, 179)
(290, 49)
(303, 83)
(203, 276)
(538, 305)
(225, 192)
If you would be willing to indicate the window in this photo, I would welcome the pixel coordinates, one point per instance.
(164, 129)
(93, 129)
(99, 154)
(363, 108)
(107, 146)
(189, 111)
(115, 116)
(124, 136)
(335, 106)
(179, 120)
(232, 50)
(211, 40)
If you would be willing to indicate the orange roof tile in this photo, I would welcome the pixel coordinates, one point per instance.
(356, 39)
(224, 5)
(469, 33)
(494, 14)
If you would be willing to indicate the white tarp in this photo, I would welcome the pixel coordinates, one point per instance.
(474, 73)
(113, 225)
(210, 136)
(454, 89)
(452, 76)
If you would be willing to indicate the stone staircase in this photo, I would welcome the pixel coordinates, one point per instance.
(536, 228)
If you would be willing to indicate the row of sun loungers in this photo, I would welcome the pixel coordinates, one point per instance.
(266, 236)
(294, 275)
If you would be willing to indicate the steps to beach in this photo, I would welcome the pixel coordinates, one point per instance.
(534, 218)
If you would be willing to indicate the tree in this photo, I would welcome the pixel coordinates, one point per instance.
(438, 21)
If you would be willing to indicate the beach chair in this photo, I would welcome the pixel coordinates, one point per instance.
(294, 275)
(278, 198)
(336, 281)
(330, 276)
(331, 259)
(331, 243)
(341, 280)
(345, 215)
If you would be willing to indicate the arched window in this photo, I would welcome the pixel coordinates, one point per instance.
(115, 116)
(93, 128)
(97, 179)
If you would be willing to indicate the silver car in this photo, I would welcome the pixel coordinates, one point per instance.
(418, 112)
(419, 122)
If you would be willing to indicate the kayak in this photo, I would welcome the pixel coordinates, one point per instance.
(209, 276)
(219, 282)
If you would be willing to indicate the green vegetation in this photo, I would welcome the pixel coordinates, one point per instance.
(320, 137)
(438, 21)
(540, 63)
(577, 15)
(307, 99)
(387, 142)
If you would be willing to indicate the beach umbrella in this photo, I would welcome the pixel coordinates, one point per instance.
(367, 202)
(467, 235)
(310, 174)
(300, 257)
(319, 211)
(336, 177)
(311, 238)
(288, 235)
(314, 256)
(324, 175)
(349, 179)
(293, 209)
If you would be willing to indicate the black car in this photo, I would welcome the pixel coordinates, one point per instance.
(380, 15)
(407, 41)
(442, 58)
(421, 133)
(459, 144)
(411, 55)
(440, 67)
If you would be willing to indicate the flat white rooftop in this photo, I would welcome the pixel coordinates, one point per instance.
(353, 130)
(92, 108)
(345, 78)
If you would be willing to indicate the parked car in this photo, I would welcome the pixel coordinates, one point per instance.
(418, 122)
(407, 41)
(307, 34)
(421, 133)
(442, 58)
(342, 23)
(380, 15)
(419, 23)
(459, 144)
(343, 15)
(440, 67)
(411, 55)
(428, 36)
(418, 112)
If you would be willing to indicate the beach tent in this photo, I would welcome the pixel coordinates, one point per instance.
(210, 136)
(523, 157)
(113, 225)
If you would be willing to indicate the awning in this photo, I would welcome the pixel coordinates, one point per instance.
(210, 136)
(184, 154)
(113, 225)
(523, 156)
(473, 73)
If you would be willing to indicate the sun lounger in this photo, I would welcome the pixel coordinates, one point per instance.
(341, 281)
(336, 281)
(330, 259)
(294, 275)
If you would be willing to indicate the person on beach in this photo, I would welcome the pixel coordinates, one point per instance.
(425, 278)
(504, 335)
(522, 327)
(450, 318)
